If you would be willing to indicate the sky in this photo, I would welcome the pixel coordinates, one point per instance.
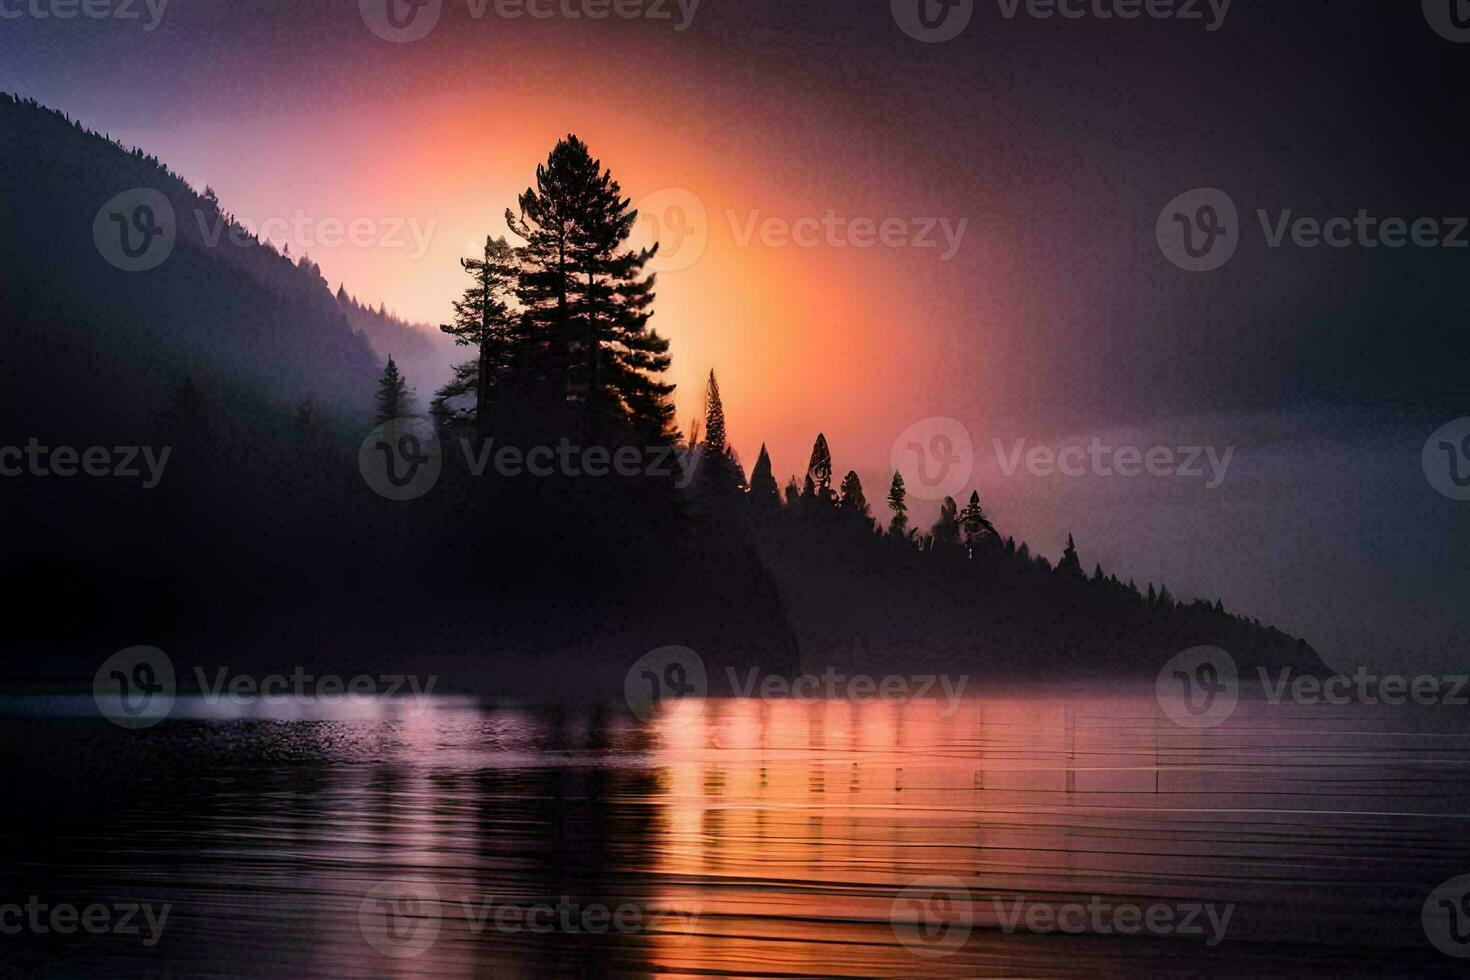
(863, 233)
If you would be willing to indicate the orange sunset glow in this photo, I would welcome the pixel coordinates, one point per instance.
(801, 336)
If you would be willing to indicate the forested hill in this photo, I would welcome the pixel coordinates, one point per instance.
(218, 306)
(138, 313)
(424, 353)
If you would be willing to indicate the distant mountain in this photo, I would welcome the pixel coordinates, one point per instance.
(425, 354)
(122, 280)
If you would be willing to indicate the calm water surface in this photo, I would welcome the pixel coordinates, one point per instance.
(770, 838)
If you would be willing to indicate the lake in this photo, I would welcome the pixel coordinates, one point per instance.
(1021, 833)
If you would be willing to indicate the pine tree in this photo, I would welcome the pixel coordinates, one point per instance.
(974, 521)
(1166, 600)
(898, 503)
(1097, 573)
(792, 493)
(714, 417)
(853, 501)
(394, 398)
(946, 531)
(763, 492)
(1153, 597)
(1070, 563)
(483, 319)
(819, 469)
(587, 300)
(721, 471)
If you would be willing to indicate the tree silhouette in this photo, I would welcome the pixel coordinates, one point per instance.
(946, 531)
(974, 521)
(394, 398)
(587, 300)
(819, 469)
(763, 492)
(1070, 563)
(714, 416)
(853, 501)
(897, 502)
(721, 471)
(483, 319)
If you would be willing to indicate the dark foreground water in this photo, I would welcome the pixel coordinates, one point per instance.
(1016, 836)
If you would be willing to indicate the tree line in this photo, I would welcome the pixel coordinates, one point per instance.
(559, 328)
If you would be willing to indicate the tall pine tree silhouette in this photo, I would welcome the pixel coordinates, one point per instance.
(720, 469)
(714, 416)
(974, 521)
(394, 398)
(586, 297)
(819, 469)
(483, 319)
(763, 492)
(898, 503)
(853, 502)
